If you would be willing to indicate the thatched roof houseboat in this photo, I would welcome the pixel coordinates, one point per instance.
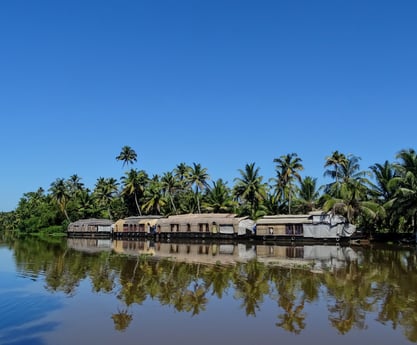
(90, 227)
(205, 225)
(313, 226)
(135, 226)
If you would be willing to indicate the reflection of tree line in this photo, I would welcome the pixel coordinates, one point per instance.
(384, 282)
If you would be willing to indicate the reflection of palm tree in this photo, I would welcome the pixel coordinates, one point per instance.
(121, 319)
(293, 318)
(102, 277)
(251, 285)
(219, 278)
(195, 299)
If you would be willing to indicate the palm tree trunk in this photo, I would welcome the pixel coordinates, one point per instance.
(137, 205)
(172, 203)
(66, 214)
(198, 200)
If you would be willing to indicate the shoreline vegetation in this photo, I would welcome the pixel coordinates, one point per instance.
(380, 201)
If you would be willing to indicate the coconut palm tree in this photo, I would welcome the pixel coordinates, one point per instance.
(61, 194)
(198, 177)
(134, 183)
(405, 200)
(308, 194)
(218, 198)
(350, 196)
(105, 191)
(170, 185)
(182, 172)
(154, 199)
(334, 161)
(287, 169)
(249, 188)
(383, 174)
(75, 184)
(127, 155)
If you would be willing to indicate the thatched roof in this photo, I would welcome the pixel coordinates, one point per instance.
(92, 221)
(149, 219)
(191, 218)
(285, 219)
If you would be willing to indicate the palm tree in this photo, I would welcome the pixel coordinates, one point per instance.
(406, 196)
(61, 195)
(308, 194)
(249, 188)
(351, 195)
(383, 192)
(287, 169)
(383, 174)
(85, 204)
(182, 172)
(75, 184)
(352, 202)
(170, 185)
(134, 183)
(127, 155)
(153, 196)
(335, 161)
(105, 190)
(218, 198)
(198, 177)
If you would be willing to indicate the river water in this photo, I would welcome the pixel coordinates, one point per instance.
(91, 291)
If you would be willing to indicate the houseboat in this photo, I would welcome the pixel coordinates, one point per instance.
(138, 226)
(91, 227)
(207, 225)
(315, 226)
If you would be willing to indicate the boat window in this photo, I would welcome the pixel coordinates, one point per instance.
(298, 229)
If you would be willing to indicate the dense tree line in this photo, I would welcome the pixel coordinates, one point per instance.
(381, 199)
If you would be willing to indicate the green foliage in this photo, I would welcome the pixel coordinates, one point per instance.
(383, 199)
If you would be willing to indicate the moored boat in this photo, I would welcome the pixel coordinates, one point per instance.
(315, 226)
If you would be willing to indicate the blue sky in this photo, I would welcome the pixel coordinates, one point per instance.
(219, 83)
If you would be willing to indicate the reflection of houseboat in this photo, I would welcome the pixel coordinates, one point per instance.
(317, 257)
(312, 257)
(206, 253)
(217, 225)
(90, 245)
(90, 228)
(316, 226)
(135, 226)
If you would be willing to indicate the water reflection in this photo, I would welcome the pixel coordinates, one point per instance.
(352, 288)
(315, 257)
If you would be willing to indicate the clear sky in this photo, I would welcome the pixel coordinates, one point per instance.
(218, 82)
